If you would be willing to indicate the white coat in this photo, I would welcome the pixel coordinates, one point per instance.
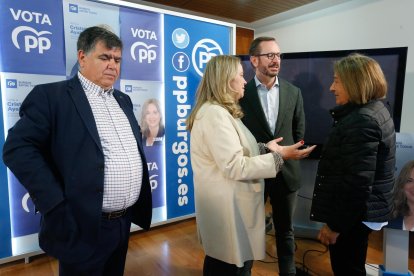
(228, 183)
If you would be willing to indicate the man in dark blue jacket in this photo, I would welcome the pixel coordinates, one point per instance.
(273, 108)
(77, 149)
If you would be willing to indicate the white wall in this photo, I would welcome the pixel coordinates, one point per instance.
(354, 25)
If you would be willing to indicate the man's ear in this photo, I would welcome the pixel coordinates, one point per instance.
(254, 61)
(81, 58)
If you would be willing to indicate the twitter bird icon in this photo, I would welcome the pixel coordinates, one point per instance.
(180, 38)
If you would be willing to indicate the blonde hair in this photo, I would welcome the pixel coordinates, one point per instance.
(215, 87)
(143, 121)
(362, 78)
(400, 199)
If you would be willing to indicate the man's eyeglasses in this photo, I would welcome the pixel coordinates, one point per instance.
(271, 56)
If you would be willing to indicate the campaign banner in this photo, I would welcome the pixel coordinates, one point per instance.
(148, 103)
(155, 163)
(142, 57)
(24, 220)
(5, 224)
(79, 15)
(187, 50)
(14, 89)
(402, 187)
(142, 79)
(31, 35)
(141, 91)
(404, 150)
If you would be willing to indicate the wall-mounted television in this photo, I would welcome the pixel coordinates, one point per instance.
(312, 72)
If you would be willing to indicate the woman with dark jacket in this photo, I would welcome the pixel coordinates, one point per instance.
(354, 183)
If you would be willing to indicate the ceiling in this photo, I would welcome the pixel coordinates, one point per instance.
(240, 10)
(251, 14)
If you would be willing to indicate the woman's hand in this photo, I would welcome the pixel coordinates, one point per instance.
(327, 236)
(290, 152)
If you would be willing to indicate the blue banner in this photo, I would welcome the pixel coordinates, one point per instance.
(187, 50)
(155, 162)
(5, 227)
(31, 35)
(142, 56)
(24, 220)
(142, 79)
(15, 88)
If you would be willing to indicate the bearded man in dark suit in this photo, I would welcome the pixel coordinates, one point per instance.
(273, 108)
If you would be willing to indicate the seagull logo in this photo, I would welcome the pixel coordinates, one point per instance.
(25, 200)
(31, 41)
(210, 49)
(203, 51)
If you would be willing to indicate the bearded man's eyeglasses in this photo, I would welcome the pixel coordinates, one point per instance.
(271, 56)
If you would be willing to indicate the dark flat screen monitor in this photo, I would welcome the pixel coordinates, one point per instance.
(312, 72)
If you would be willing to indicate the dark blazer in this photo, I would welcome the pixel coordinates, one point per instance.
(290, 123)
(54, 150)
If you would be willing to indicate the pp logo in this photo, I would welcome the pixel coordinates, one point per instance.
(128, 88)
(153, 182)
(180, 61)
(203, 51)
(180, 38)
(32, 39)
(73, 8)
(11, 83)
(25, 202)
(144, 53)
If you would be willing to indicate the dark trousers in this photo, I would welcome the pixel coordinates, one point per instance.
(110, 255)
(283, 204)
(215, 267)
(349, 253)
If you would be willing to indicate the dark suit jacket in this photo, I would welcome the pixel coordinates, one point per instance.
(290, 123)
(54, 150)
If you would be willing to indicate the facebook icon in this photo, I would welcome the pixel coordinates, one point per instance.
(180, 61)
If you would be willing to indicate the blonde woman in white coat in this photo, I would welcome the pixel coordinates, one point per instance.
(229, 170)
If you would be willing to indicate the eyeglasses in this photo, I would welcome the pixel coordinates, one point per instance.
(271, 56)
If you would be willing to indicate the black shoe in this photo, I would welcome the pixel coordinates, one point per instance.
(269, 224)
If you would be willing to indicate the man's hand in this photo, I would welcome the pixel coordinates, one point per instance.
(290, 152)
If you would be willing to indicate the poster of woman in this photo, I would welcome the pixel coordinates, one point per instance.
(403, 200)
(403, 215)
(152, 126)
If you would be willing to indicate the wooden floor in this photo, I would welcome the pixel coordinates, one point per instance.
(173, 249)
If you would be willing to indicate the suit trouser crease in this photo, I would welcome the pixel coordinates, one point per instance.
(283, 203)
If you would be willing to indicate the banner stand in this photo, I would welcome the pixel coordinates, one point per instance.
(26, 257)
(395, 248)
